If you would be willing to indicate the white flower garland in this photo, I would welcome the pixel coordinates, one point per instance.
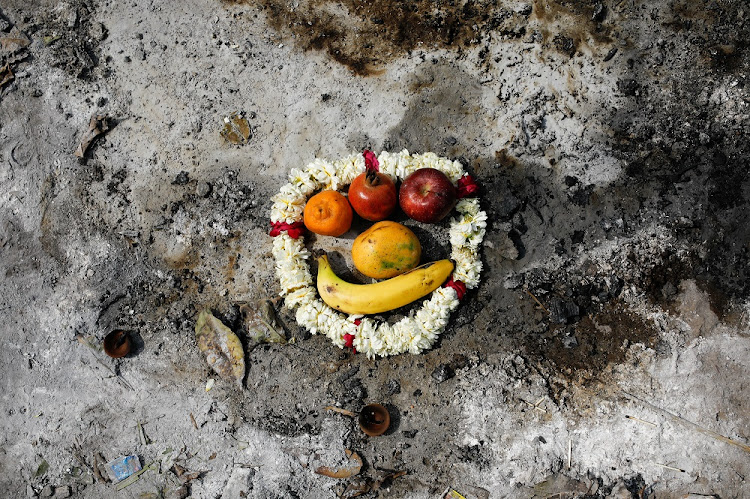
(415, 333)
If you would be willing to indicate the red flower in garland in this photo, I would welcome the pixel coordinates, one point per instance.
(294, 229)
(467, 186)
(371, 161)
(349, 338)
(349, 342)
(459, 286)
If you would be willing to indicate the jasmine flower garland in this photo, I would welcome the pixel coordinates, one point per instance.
(415, 333)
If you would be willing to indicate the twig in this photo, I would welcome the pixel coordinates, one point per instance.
(640, 420)
(94, 471)
(536, 300)
(342, 411)
(570, 452)
(142, 434)
(669, 467)
(135, 476)
(85, 342)
(192, 419)
(690, 424)
(535, 405)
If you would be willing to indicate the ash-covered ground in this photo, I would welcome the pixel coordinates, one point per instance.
(604, 354)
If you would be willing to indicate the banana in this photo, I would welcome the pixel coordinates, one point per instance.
(380, 296)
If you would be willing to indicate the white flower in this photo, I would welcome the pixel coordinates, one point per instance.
(300, 297)
(368, 340)
(335, 326)
(468, 266)
(291, 263)
(314, 316)
(303, 180)
(468, 230)
(288, 204)
(397, 166)
(347, 169)
(469, 206)
(324, 173)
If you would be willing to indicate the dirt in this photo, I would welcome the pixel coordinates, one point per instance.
(604, 353)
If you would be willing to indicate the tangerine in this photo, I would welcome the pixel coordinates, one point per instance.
(328, 213)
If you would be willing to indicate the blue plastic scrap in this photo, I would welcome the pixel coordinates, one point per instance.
(123, 467)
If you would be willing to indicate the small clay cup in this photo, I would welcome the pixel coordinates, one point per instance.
(117, 344)
(374, 419)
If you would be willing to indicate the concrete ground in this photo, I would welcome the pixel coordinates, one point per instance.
(604, 354)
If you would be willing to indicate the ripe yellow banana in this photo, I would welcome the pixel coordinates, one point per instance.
(380, 296)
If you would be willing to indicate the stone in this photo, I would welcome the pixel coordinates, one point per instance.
(569, 341)
(63, 491)
(393, 387)
(561, 310)
(443, 372)
(239, 484)
(203, 189)
(182, 178)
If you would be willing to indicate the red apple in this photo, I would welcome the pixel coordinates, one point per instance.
(373, 195)
(427, 195)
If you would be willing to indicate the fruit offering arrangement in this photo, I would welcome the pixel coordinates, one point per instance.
(431, 188)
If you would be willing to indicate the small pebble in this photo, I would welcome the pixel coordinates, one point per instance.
(182, 178)
(561, 310)
(394, 387)
(442, 373)
(203, 189)
(570, 342)
(63, 492)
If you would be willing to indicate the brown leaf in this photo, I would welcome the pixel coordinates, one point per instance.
(236, 130)
(6, 75)
(184, 475)
(221, 347)
(191, 476)
(560, 484)
(13, 41)
(260, 322)
(345, 471)
(178, 470)
(356, 488)
(386, 479)
(98, 124)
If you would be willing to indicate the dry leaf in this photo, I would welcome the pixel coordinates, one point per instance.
(236, 130)
(98, 124)
(13, 41)
(221, 347)
(345, 471)
(260, 322)
(6, 75)
(559, 484)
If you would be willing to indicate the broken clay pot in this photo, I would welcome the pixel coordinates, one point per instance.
(374, 419)
(117, 344)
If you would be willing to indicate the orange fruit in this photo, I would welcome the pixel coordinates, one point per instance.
(328, 213)
(386, 250)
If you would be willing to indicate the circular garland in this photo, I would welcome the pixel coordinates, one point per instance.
(415, 333)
